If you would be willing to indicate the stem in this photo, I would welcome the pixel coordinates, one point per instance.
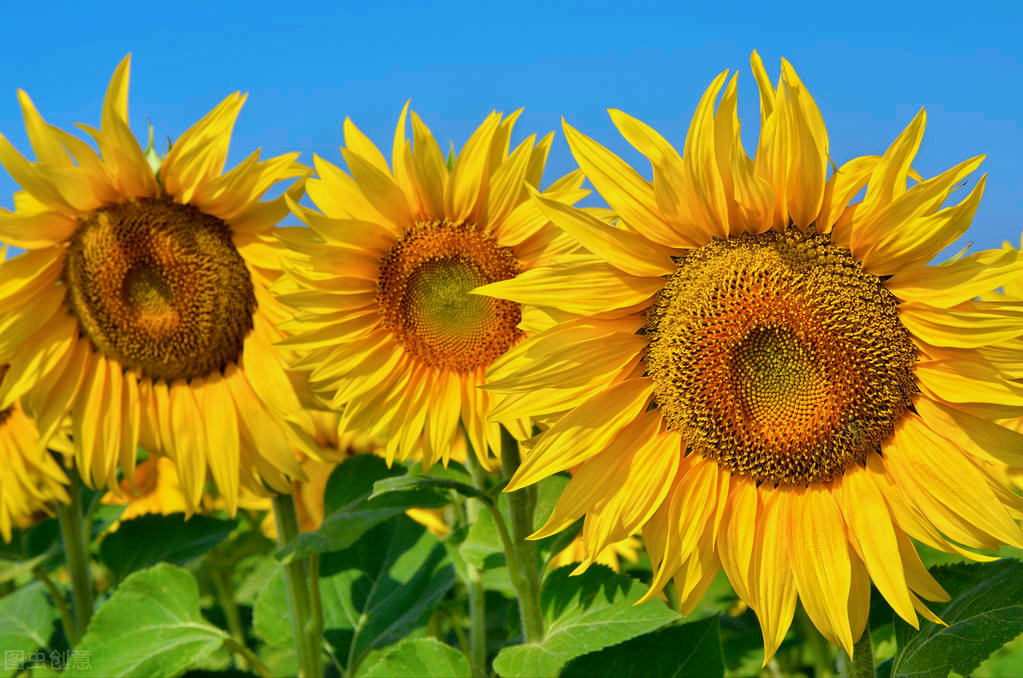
(76, 556)
(822, 656)
(296, 586)
(247, 655)
(59, 600)
(477, 595)
(861, 665)
(522, 504)
(225, 596)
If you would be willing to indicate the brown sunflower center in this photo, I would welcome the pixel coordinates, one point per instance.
(160, 287)
(779, 357)
(423, 295)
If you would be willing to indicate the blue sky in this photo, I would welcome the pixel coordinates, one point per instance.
(870, 67)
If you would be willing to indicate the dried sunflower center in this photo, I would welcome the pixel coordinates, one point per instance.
(423, 294)
(779, 357)
(160, 287)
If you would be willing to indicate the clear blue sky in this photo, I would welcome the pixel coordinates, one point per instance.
(870, 66)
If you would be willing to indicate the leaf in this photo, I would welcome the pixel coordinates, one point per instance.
(12, 569)
(583, 614)
(692, 649)
(150, 626)
(420, 658)
(147, 540)
(410, 482)
(373, 593)
(986, 611)
(26, 620)
(350, 511)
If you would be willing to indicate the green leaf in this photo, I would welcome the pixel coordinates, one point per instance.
(270, 620)
(420, 658)
(350, 512)
(583, 614)
(26, 620)
(150, 626)
(147, 540)
(688, 650)
(986, 611)
(373, 593)
(11, 569)
(381, 588)
(410, 482)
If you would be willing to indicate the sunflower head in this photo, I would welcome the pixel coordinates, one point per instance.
(382, 280)
(140, 306)
(767, 377)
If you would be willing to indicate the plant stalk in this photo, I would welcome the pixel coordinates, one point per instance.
(296, 586)
(861, 665)
(477, 594)
(522, 505)
(76, 556)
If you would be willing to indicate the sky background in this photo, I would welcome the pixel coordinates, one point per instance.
(870, 67)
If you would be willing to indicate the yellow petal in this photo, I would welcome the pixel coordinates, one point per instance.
(585, 289)
(583, 432)
(871, 530)
(953, 283)
(628, 194)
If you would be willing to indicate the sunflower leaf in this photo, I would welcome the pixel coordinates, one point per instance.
(583, 614)
(350, 510)
(151, 626)
(132, 547)
(405, 483)
(26, 621)
(986, 611)
(692, 649)
(420, 658)
(373, 593)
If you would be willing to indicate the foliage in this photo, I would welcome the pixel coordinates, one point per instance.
(205, 596)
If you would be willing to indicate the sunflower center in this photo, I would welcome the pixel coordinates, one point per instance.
(160, 287)
(423, 295)
(779, 357)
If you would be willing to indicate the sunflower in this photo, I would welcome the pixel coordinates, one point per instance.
(611, 555)
(763, 377)
(391, 335)
(140, 305)
(33, 479)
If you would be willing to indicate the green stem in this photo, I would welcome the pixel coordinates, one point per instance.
(477, 595)
(221, 578)
(59, 600)
(861, 665)
(247, 655)
(296, 586)
(522, 504)
(76, 556)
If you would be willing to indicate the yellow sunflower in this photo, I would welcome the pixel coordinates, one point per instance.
(611, 555)
(764, 377)
(392, 336)
(32, 479)
(140, 305)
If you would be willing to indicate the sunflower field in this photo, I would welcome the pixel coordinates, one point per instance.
(428, 414)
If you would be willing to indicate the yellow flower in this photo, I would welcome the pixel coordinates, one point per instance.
(141, 304)
(610, 556)
(154, 488)
(761, 376)
(32, 479)
(392, 336)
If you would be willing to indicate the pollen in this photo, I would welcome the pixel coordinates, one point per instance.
(779, 357)
(160, 287)
(423, 295)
